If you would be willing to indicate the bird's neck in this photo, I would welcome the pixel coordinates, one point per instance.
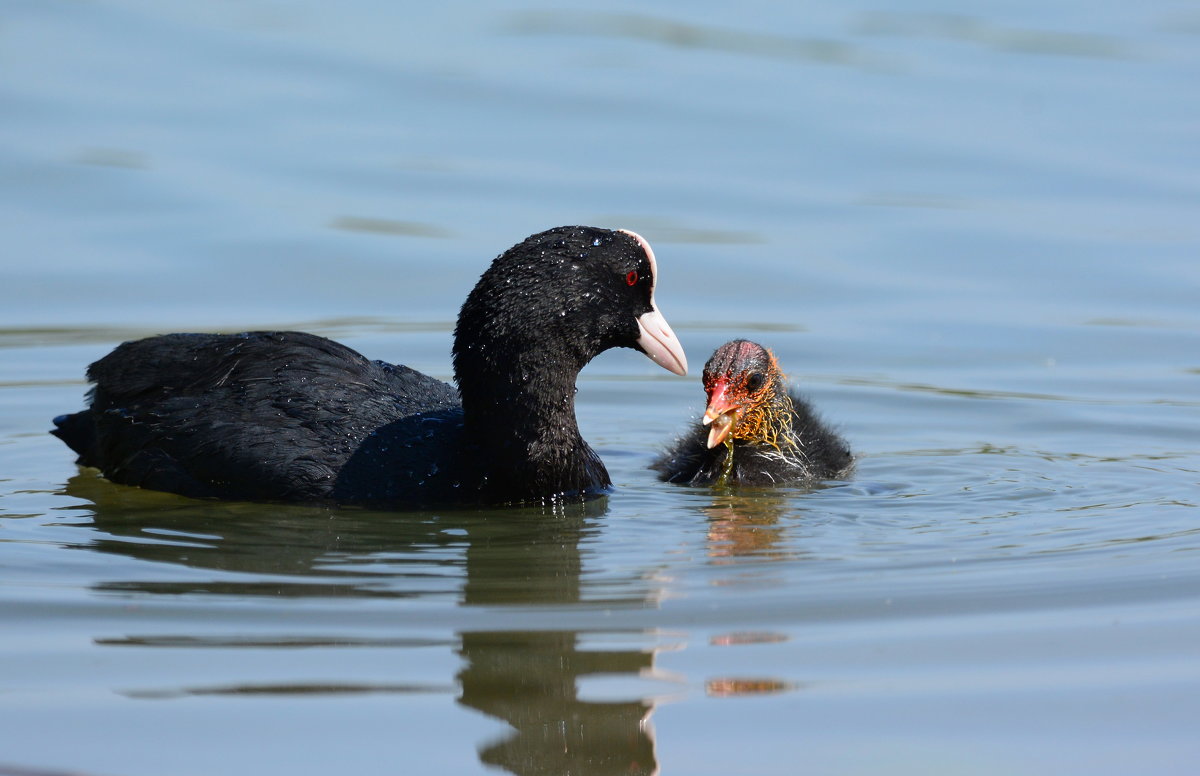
(769, 421)
(519, 414)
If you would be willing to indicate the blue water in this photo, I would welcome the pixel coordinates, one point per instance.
(971, 237)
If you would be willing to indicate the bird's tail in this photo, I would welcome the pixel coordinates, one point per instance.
(79, 432)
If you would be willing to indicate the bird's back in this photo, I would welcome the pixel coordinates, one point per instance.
(260, 415)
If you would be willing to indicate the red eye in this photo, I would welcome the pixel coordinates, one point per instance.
(631, 278)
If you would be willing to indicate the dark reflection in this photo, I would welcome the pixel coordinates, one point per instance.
(335, 328)
(685, 35)
(284, 642)
(512, 555)
(289, 550)
(979, 31)
(113, 157)
(389, 226)
(530, 680)
(314, 688)
(666, 230)
(526, 678)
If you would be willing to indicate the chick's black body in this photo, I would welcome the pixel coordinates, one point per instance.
(823, 456)
(774, 435)
(287, 416)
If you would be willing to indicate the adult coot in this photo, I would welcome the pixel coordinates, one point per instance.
(287, 416)
(755, 430)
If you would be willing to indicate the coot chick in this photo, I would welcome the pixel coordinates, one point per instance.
(755, 430)
(287, 416)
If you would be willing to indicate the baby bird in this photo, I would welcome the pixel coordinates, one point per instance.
(755, 431)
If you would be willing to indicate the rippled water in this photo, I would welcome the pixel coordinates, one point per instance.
(971, 238)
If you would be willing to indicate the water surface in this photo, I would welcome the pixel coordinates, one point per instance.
(970, 238)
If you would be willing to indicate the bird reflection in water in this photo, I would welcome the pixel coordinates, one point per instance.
(742, 525)
(528, 679)
(745, 525)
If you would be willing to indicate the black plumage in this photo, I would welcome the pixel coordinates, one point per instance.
(287, 416)
(755, 430)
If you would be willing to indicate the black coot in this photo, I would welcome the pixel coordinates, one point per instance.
(286, 416)
(755, 430)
